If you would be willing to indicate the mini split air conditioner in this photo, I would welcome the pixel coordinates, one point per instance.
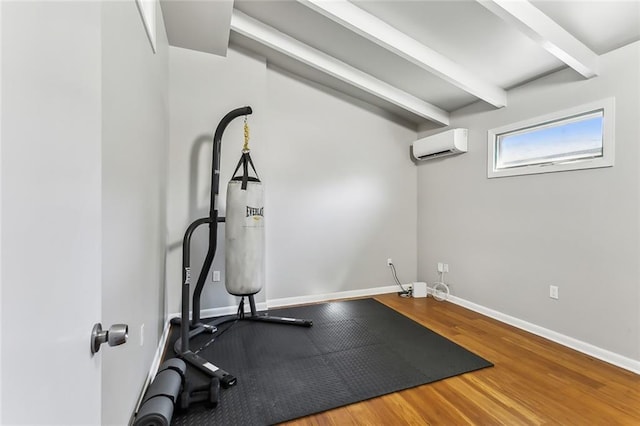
(449, 142)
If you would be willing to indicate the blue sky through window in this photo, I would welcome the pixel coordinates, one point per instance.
(566, 140)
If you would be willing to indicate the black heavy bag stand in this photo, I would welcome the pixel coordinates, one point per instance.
(196, 326)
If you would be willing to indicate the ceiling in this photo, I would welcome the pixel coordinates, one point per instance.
(419, 60)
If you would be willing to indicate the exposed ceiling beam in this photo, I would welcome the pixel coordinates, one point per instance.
(384, 35)
(198, 25)
(547, 33)
(274, 39)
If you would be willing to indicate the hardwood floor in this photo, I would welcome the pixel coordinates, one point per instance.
(534, 381)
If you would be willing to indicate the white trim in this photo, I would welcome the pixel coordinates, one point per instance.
(297, 300)
(229, 310)
(148, 10)
(155, 364)
(532, 22)
(274, 39)
(384, 35)
(570, 342)
(607, 105)
(199, 25)
(223, 310)
(314, 298)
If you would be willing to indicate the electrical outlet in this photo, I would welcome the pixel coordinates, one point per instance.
(142, 335)
(389, 261)
(215, 276)
(553, 292)
(446, 267)
(440, 267)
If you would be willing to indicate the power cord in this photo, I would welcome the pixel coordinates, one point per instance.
(440, 291)
(404, 292)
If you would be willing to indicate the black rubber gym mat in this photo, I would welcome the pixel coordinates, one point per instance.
(355, 350)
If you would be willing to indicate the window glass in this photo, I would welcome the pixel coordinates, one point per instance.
(566, 140)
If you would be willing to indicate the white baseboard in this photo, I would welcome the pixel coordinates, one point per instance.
(229, 310)
(155, 364)
(297, 300)
(580, 346)
(223, 310)
(314, 298)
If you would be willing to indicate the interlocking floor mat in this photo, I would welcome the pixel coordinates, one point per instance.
(355, 350)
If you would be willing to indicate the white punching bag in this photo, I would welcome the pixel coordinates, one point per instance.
(244, 232)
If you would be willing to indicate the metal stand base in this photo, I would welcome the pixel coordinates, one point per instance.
(226, 379)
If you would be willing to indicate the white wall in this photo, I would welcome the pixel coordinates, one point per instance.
(341, 193)
(340, 190)
(135, 134)
(51, 211)
(506, 240)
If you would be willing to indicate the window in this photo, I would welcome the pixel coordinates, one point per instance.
(577, 138)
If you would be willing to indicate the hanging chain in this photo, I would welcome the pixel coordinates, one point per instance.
(245, 147)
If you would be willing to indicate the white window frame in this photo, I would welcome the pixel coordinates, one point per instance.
(567, 115)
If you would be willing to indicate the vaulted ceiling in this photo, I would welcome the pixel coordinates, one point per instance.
(420, 60)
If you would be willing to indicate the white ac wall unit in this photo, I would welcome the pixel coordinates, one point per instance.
(449, 142)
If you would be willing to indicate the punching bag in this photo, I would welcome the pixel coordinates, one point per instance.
(244, 231)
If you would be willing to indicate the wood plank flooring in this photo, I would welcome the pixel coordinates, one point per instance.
(534, 381)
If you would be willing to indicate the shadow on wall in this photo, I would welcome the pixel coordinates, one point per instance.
(200, 176)
(197, 210)
(199, 194)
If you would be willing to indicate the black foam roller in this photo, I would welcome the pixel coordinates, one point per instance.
(174, 364)
(156, 411)
(166, 383)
